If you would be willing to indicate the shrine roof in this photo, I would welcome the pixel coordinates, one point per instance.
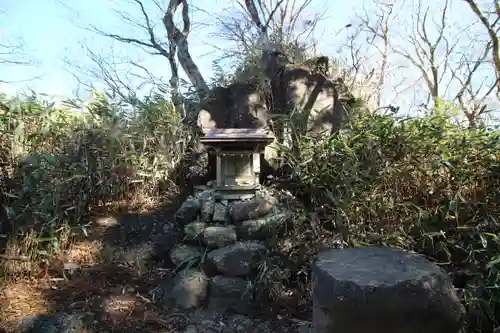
(237, 135)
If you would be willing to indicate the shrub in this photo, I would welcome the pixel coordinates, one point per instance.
(64, 162)
(421, 184)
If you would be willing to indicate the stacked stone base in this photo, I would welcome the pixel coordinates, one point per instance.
(224, 245)
(355, 290)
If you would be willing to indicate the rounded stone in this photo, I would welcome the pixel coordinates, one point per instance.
(222, 286)
(185, 255)
(187, 290)
(387, 290)
(238, 259)
(219, 236)
(194, 230)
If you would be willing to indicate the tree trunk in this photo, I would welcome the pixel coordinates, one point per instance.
(179, 39)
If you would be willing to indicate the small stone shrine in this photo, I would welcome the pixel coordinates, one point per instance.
(238, 154)
(226, 225)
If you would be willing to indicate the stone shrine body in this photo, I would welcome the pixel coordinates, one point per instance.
(238, 154)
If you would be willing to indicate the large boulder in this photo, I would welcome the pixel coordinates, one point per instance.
(215, 110)
(239, 105)
(382, 290)
(188, 211)
(230, 293)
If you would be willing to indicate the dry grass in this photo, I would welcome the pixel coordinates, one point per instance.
(85, 252)
(19, 299)
(115, 296)
(111, 295)
(139, 202)
(75, 167)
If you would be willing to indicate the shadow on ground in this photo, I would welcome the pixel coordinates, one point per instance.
(115, 290)
(109, 275)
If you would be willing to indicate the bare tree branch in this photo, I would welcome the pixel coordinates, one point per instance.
(427, 52)
(12, 53)
(285, 22)
(284, 26)
(492, 29)
(447, 71)
(379, 30)
(174, 48)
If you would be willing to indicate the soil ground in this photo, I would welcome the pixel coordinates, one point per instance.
(116, 296)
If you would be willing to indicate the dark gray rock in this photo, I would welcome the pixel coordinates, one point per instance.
(382, 290)
(306, 327)
(188, 289)
(188, 212)
(254, 208)
(57, 323)
(220, 212)
(219, 236)
(191, 329)
(185, 255)
(223, 286)
(208, 267)
(164, 240)
(194, 231)
(207, 205)
(238, 259)
(230, 293)
(263, 227)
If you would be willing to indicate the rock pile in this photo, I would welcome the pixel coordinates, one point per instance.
(223, 246)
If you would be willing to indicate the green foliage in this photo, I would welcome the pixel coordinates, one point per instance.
(247, 65)
(65, 161)
(421, 184)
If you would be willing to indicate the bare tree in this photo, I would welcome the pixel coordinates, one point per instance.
(376, 26)
(116, 73)
(179, 39)
(436, 53)
(429, 55)
(9, 54)
(12, 53)
(174, 47)
(288, 25)
(353, 63)
(474, 91)
(492, 26)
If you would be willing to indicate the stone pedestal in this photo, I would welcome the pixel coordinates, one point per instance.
(382, 290)
(226, 242)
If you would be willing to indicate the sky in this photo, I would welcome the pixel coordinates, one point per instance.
(53, 32)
